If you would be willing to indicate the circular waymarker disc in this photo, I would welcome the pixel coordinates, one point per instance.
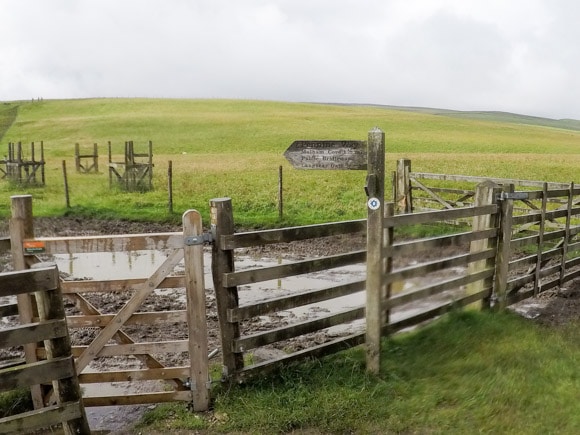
(374, 203)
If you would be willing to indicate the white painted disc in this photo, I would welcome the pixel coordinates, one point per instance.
(374, 203)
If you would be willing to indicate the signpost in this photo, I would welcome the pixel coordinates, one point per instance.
(328, 154)
(356, 155)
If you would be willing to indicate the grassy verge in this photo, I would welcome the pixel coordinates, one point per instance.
(469, 372)
(234, 148)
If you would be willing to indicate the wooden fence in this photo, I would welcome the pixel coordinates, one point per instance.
(189, 382)
(423, 191)
(135, 173)
(86, 163)
(57, 368)
(439, 290)
(22, 170)
(232, 314)
(497, 257)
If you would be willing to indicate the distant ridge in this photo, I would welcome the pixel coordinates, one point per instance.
(492, 116)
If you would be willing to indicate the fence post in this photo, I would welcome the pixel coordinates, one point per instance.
(388, 261)
(196, 313)
(503, 249)
(21, 227)
(50, 307)
(96, 158)
(77, 157)
(375, 189)
(110, 167)
(66, 192)
(540, 250)
(404, 199)
(280, 195)
(170, 186)
(567, 234)
(222, 223)
(485, 194)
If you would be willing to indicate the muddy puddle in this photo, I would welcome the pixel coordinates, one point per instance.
(141, 264)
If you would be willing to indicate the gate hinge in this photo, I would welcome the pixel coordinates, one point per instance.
(199, 240)
(513, 195)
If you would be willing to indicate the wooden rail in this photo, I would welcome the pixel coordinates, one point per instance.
(112, 326)
(227, 280)
(57, 367)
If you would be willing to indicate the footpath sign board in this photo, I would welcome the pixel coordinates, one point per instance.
(328, 154)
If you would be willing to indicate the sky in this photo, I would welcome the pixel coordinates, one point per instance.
(520, 56)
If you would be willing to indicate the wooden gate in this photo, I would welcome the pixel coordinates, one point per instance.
(58, 367)
(189, 381)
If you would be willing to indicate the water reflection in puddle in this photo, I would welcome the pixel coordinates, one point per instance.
(141, 264)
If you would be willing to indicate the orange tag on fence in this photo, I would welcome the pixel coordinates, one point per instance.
(33, 247)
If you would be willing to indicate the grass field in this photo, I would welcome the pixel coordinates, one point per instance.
(468, 372)
(234, 148)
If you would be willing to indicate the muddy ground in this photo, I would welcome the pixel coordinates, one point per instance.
(551, 309)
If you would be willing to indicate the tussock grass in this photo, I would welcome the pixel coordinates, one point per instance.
(234, 148)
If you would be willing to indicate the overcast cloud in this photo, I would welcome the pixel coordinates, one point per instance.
(520, 56)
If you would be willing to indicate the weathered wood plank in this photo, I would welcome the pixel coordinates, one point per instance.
(138, 399)
(32, 333)
(28, 422)
(522, 262)
(134, 375)
(25, 281)
(465, 192)
(439, 215)
(433, 289)
(375, 190)
(293, 301)
(534, 240)
(416, 246)
(103, 320)
(196, 312)
(566, 239)
(110, 243)
(41, 372)
(292, 234)
(245, 343)
(118, 285)
(437, 311)
(154, 347)
(318, 351)
(433, 266)
(474, 179)
(222, 263)
(233, 279)
(537, 216)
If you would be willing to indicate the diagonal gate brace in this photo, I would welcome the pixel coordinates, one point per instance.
(127, 311)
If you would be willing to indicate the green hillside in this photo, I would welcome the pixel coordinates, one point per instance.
(234, 148)
(494, 116)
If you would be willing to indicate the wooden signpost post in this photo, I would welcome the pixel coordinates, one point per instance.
(358, 155)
